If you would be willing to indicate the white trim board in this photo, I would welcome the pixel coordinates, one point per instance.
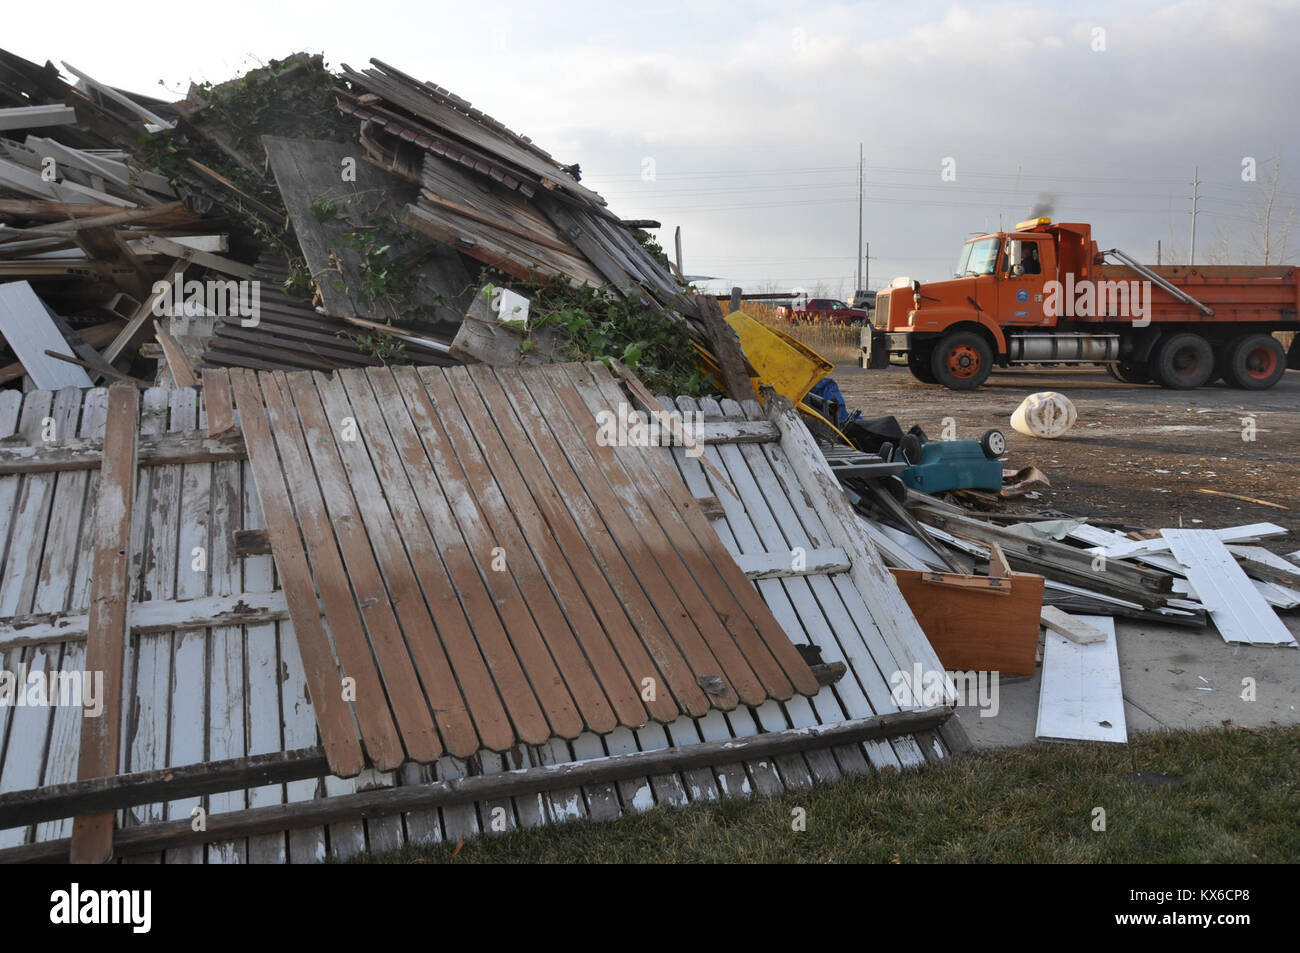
(27, 326)
(1228, 594)
(1081, 697)
(1229, 534)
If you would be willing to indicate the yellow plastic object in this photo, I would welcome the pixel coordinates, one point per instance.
(789, 367)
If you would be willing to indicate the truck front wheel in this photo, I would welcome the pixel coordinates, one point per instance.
(1254, 362)
(962, 361)
(1182, 361)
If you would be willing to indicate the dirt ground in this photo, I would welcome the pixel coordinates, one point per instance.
(1139, 454)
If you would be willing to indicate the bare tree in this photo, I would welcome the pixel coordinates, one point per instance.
(1221, 247)
(1274, 219)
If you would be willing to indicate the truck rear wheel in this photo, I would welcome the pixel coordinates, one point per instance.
(962, 361)
(918, 362)
(1182, 361)
(1129, 373)
(1254, 362)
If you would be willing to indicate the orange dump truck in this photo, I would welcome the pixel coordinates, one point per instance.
(1044, 294)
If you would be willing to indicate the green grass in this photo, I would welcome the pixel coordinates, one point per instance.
(1240, 803)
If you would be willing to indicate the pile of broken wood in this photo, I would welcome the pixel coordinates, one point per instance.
(363, 209)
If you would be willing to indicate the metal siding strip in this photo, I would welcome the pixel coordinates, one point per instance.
(1239, 612)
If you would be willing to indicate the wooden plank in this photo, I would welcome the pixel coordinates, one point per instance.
(149, 617)
(120, 98)
(382, 734)
(766, 648)
(400, 682)
(441, 640)
(618, 654)
(101, 794)
(589, 667)
(459, 465)
(643, 642)
(654, 561)
(158, 450)
(514, 783)
(826, 606)
(345, 469)
(642, 395)
(1081, 698)
(154, 538)
(340, 738)
(30, 332)
(187, 735)
(731, 360)
(589, 662)
(739, 656)
(218, 401)
(224, 713)
(92, 835)
(275, 709)
(62, 570)
(1238, 610)
(1070, 627)
(178, 365)
(827, 613)
(135, 325)
(475, 642)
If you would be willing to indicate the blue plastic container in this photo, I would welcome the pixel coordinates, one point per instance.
(953, 465)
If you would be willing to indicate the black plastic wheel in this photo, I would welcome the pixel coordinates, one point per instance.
(993, 443)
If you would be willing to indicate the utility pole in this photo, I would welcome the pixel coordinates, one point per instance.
(1157, 251)
(858, 277)
(866, 268)
(1196, 195)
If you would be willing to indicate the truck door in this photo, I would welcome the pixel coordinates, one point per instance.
(1028, 263)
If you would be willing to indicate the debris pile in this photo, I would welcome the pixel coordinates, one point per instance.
(310, 220)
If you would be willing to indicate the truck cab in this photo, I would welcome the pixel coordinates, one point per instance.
(953, 332)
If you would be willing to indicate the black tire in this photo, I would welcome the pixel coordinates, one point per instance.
(1254, 362)
(1182, 361)
(1129, 372)
(909, 449)
(962, 361)
(918, 362)
(993, 443)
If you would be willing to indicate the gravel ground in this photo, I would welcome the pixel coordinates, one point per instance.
(1137, 453)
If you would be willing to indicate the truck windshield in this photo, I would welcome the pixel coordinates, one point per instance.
(979, 257)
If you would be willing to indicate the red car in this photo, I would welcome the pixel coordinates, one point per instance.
(830, 310)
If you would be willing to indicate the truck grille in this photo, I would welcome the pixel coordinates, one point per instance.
(880, 318)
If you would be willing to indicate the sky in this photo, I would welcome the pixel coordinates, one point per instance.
(741, 122)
